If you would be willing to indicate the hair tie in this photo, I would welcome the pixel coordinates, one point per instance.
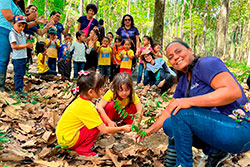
(75, 90)
(83, 73)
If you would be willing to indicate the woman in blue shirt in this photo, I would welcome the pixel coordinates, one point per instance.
(129, 31)
(8, 9)
(207, 111)
(83, 21)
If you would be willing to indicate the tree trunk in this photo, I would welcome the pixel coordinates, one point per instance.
(191, 25)
(45, 8)
(222, 28)
(67, 12)
(176, 18)
(128, 7)
(29, 2)
(203, 43)
(158, 21)
(81, 7)
(182, 18)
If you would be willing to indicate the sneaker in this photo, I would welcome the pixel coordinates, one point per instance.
(171, 157)
(215, 159)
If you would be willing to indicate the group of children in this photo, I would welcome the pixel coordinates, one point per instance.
(81, 121)
(86, 53)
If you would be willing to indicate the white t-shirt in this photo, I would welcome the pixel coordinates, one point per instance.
(79, 52)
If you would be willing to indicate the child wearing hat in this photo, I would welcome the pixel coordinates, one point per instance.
(159, 72)
(53, 44)
(18, 44)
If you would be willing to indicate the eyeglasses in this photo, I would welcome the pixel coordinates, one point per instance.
(127, 20)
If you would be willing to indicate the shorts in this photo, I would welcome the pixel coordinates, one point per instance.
(104, 70)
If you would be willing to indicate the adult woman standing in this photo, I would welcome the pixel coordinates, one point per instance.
(87, 23)
(8, 9)
(207, 102)
(129, 31)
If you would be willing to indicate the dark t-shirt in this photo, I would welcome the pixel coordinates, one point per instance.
(32, 30)
(102, 32)
(133, 31)
(203, 72)
(84, 23)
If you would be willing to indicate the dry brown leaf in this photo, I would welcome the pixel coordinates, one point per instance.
(50, 164)
(158, 163)
(46, 136)
(54, 118)
(45, 151)
(30, 143)
(4, 127)
(10, 157)
(20, 137)
(26, 128)
(29, 107)
(113, 158)
(12, 112)
(17, 150)
(129, 151)
(52, 100)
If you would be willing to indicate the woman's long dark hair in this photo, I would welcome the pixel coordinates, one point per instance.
(21, 5)
(131, 18)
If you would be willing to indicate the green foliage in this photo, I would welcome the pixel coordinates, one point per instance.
(31, 97)
(61, 148)
(245, 70)
(3, 139)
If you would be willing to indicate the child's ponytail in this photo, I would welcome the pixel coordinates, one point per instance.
(87, 80)
(150, 39)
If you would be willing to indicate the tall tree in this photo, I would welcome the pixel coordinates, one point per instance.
(191, 24)
(158, 21)
(203, 42)
(182, 18)
(45, 8)
(81, 7)
(222, 28)
(128, 7)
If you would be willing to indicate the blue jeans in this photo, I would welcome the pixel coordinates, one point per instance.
(19, 69)
(78, 66)
(5, 49)
(140, 72)
(211, 130)
(52, 63)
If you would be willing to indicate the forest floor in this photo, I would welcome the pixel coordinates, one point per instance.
(30, 122)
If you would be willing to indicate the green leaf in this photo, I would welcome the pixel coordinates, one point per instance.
(125, 115)
(142, 133)
(123, 111)
(34, 102)
(120, 110)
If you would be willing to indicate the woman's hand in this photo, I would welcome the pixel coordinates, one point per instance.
(41, 20)
(126, 128)
(177, 104)
(139, 137)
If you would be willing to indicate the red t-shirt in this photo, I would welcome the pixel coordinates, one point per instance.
(116, 54)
